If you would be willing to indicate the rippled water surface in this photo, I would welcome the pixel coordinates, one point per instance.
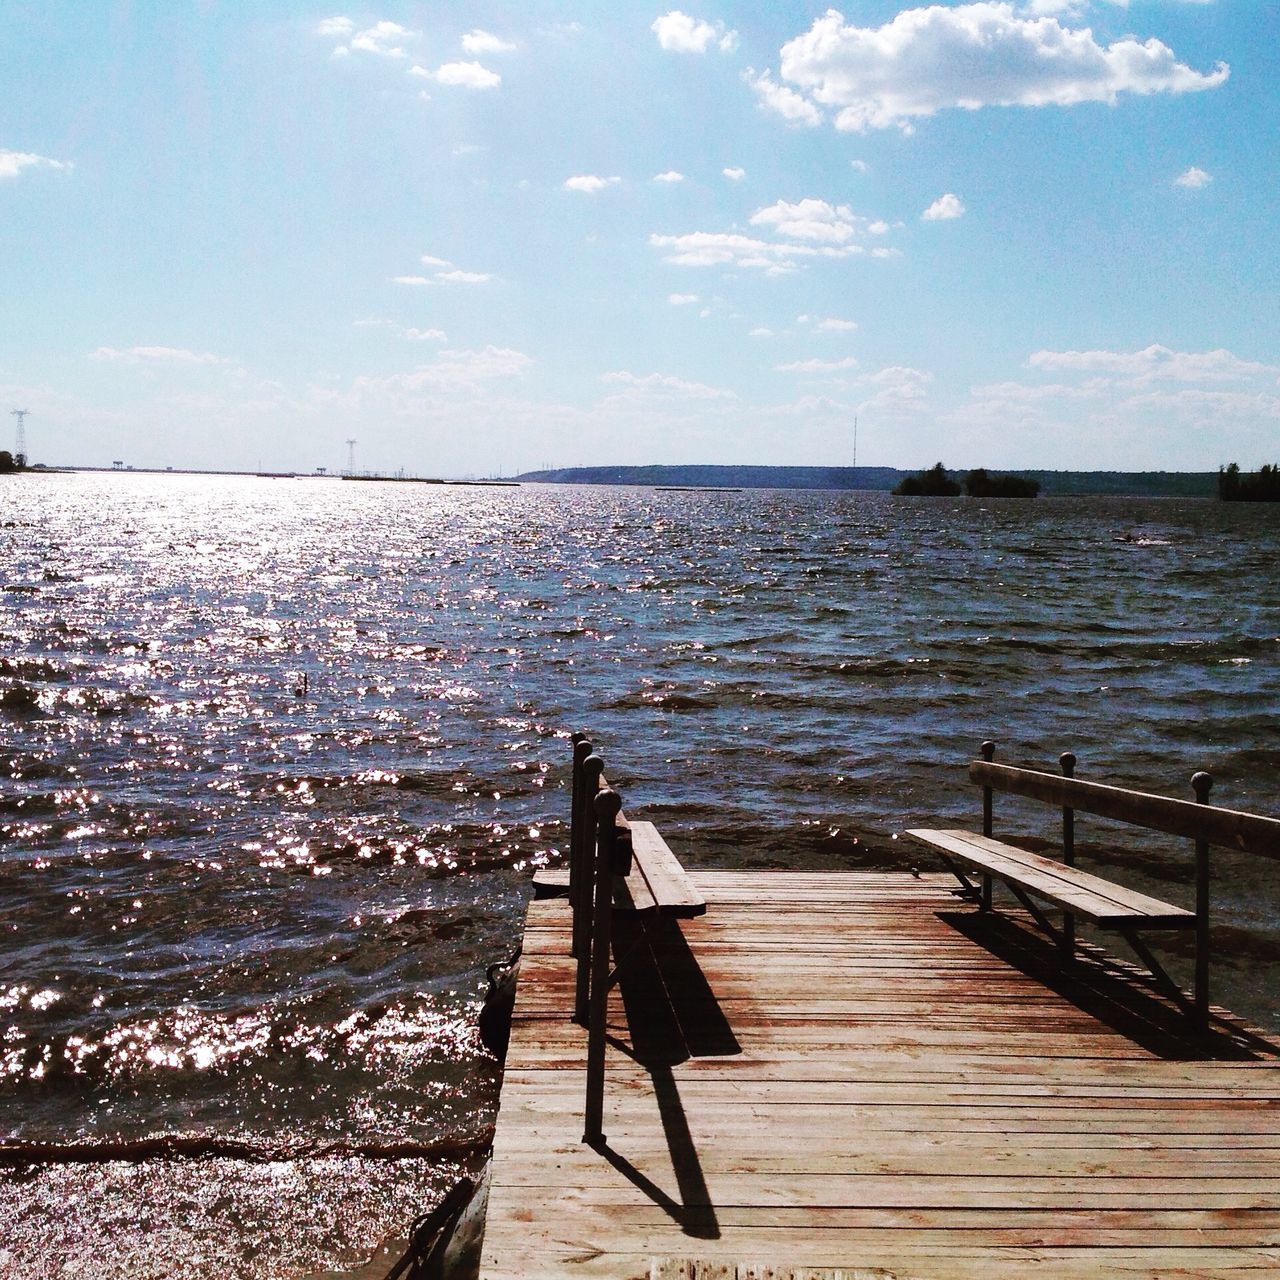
(279, 757)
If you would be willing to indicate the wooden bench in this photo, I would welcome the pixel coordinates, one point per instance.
(1079, 894)
(616, 865)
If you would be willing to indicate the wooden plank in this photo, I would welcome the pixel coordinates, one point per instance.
(884, 1093)
(670, 888)
(1100, 900)
(1230, 828)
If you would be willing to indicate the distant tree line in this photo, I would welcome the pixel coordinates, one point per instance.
(936, 483)
(1262, 485)
(9, 463)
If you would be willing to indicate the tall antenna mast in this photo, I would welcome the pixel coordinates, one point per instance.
(855, 439)
(20, 445)
(351, 457)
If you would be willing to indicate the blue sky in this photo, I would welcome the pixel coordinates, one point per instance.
(483, 237)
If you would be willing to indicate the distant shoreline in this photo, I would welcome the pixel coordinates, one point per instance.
(1151, 484)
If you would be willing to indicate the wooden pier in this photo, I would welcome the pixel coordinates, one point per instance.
(857, 1075)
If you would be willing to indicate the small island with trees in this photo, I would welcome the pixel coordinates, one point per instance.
(1262, 485)
(10, 464)
(936, 483)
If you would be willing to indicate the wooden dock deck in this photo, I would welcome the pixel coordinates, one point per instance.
(852, 1074)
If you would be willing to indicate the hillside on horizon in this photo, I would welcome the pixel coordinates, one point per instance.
(1152, 484)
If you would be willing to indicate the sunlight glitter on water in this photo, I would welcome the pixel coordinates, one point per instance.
(280, 756)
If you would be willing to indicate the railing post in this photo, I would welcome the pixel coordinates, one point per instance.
(988, 754)
(607, 806)
(1068, 762)
(1202, 784)
(581, 750)
(584, 873)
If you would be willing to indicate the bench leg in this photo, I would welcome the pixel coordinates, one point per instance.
(986, 892)
(1068, 936)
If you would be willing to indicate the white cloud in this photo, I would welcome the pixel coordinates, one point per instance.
(682, 299)
(478, 41)
(416, 335)
(12, 163)
(429, 261)
(386, 39)
(680, 33)
(734, 175)
(834, 325)
(944, 208)
(728, 248)
(415, 280)
(665, 385)
(1193, 178)
(452, 370)
(859, 166)
(896, 390)
(967, 56)
(589, 182)
(335, 27)
(787, 103)
(818, 366)
(460, 75)
(808, 219)
(670, 176)
(157, 355)
(1157, 363)
(760, 332)
(464, 277)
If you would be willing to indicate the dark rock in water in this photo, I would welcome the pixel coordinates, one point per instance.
(499, 1001)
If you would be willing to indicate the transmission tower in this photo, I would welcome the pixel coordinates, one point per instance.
(351, 457)
(20, 445)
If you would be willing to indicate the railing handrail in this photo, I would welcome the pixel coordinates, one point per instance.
(1226, 828)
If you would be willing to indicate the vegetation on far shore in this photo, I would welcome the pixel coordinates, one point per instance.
(9, 464)
(936, 483)
(1262, 485)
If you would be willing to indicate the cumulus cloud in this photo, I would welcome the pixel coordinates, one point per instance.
(464, 277)
(477, 42)
(831, 324)
(12, 163)
(818, 366)
(966, 56)
(671, 175)
(808, 219)
(734, 175)
(665, 385)
(1193, 178)
(1156, 363)
(680, 33)
(589, 183)
(385, 39)
(157, 356)
(787, 103)
(452, 370)
(943, 208)
(401, 331)
(682, 299)
(460, 75)
(339, 27)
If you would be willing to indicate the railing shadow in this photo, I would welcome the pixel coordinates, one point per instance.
(1114, 992)
(672, 1015)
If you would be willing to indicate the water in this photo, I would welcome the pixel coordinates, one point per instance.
(280, 756)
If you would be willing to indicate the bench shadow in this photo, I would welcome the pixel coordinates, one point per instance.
(1113, 991)
(672, 1016)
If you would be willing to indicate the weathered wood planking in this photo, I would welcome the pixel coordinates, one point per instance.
(845, 1075)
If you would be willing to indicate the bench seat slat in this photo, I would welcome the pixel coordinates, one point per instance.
(666, 883)
(1107, 904)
